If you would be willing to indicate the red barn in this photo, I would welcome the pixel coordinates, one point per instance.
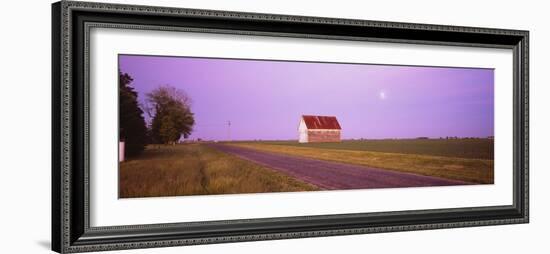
(319, 129)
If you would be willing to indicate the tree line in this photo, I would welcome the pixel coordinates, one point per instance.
(168, 107)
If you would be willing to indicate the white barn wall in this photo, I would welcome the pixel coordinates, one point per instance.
(302, 132)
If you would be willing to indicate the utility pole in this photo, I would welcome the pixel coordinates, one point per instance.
(228, 130)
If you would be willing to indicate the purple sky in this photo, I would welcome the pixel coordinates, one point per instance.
(265, 99)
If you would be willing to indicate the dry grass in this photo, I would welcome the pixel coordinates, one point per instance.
(469, 170)
(195, 169)
(478, 148)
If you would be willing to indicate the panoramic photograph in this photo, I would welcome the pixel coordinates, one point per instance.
(206, 126)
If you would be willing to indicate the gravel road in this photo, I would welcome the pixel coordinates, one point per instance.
(333, 175)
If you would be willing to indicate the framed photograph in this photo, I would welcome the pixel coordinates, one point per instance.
(182, 126)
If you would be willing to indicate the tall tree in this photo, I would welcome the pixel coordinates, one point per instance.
(171, 112)
(132, 127)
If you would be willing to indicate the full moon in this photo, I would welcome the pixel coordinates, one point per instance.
(382, 95)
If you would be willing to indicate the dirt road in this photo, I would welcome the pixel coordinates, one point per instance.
(334, 175)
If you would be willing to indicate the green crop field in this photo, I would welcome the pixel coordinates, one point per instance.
(459, 148)
(196, 169)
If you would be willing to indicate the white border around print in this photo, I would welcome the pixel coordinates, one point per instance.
(106, 209)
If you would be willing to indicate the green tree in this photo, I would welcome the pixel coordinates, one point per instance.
(168, 130)
(171, 112)
(132, 127)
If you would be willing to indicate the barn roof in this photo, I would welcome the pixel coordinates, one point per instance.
(321, 122)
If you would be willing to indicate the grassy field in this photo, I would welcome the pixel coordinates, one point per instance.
(195, 169)
(459, 148)
(469, 170)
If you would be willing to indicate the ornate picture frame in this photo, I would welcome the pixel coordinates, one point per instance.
(71, 24)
